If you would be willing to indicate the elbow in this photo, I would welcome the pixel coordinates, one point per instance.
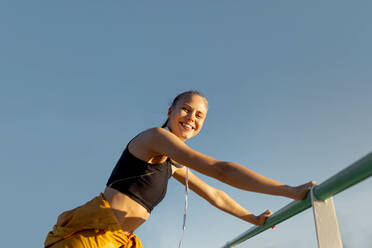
(217, 198)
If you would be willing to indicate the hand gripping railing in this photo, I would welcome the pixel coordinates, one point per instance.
(355, 173)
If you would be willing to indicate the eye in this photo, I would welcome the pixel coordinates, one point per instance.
(185, 109)
(199, 116)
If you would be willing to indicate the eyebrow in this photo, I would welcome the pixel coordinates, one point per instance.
(199, 111)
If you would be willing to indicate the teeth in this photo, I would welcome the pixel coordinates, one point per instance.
(187, 126)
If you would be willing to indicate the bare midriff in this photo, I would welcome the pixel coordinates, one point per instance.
(129, 213)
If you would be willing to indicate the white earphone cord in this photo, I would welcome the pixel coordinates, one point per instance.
(185, 210)
(186, 197)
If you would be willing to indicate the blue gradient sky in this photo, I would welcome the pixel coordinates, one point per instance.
(289, 87)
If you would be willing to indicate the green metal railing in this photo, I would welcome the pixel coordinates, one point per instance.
(355, 173)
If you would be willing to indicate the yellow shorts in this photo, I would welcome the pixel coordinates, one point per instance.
(92, 225)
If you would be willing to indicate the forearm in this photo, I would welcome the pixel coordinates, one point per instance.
(225, 203)
(218, 198)
(241, 177)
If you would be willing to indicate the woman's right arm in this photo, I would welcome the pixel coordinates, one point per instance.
(163, 142)
(219, 198)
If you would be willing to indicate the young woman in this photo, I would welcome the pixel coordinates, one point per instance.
(139, 182)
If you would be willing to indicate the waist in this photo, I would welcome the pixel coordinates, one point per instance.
(129, 212)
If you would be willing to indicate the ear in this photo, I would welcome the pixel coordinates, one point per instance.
(169, 111)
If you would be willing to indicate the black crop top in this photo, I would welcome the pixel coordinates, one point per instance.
(143, 182)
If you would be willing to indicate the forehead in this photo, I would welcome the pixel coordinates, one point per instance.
(195, 101)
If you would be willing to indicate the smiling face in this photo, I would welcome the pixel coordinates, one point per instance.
(186, 118)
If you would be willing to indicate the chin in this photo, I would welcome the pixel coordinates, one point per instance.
(190, 136)
(185, 136)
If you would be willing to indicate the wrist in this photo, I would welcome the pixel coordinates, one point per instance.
(251, 218)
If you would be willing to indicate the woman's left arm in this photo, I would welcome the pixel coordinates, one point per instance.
(218, 198)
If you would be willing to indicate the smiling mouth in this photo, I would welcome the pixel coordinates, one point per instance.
(186, 126)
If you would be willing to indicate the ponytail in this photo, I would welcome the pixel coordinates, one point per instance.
(165, 123)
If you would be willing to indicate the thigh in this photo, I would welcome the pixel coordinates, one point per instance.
(90, 239)
(71, 242)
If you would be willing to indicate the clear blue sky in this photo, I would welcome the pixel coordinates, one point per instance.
(289, 86)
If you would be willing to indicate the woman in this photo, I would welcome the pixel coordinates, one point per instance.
(139, 181)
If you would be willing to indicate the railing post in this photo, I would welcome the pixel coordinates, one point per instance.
(355, 173)
(326, 225)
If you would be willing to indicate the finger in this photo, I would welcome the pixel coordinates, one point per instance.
(311, 184)
(268, 213)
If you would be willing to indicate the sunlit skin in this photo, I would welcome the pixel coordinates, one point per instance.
(187, 118)
(155, 145)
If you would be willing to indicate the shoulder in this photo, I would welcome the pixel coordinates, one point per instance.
(157, 133)
(145, 144)
(151, 133)
(158, 130)
(161, 141)
(154, 138)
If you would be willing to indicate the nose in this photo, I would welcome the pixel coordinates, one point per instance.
(190, 116)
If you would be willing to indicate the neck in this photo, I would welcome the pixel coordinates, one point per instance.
(166, 127)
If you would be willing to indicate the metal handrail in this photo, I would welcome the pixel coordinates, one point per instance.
(355, 173)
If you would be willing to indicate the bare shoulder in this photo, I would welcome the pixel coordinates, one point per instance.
(159, 141)
(154, 131)
(148, 142)
(159, 131)
(151, 133)
(160, 135)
